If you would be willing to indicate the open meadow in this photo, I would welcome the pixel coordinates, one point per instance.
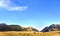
(28, 33)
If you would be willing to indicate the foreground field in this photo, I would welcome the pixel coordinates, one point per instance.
(27, 33)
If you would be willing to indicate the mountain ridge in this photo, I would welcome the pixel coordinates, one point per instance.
(53, 27)
(4, 27)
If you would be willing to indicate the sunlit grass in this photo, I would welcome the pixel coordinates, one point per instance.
(28, 33)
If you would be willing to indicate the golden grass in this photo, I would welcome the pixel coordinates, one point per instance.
(28, 33)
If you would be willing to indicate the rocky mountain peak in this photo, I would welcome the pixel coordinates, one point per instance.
(53, 27)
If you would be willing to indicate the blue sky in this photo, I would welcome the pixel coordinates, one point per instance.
(35, 13)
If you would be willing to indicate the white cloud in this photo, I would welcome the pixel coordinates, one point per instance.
(18, 8)
(6, 4)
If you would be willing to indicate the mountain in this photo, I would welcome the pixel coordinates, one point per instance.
(46, 29)
(4, 27)
(32, 29)
(53, 27)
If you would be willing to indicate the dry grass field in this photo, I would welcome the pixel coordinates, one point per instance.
(27, 33)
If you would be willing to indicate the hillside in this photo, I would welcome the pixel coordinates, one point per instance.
(52, 27)
(17, 30)
(4, 27)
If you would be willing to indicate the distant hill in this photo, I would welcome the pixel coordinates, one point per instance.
(4, 27)
(53, 27)
(32, 29)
